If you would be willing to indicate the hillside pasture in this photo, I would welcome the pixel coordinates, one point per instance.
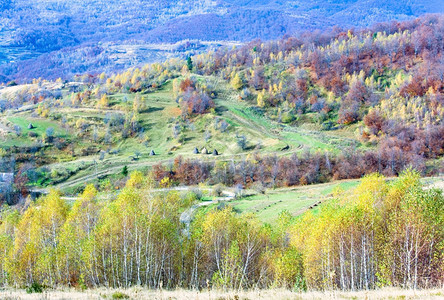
(296, 201)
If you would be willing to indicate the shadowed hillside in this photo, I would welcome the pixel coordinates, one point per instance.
(75, 32)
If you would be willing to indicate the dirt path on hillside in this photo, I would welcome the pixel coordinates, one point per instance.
(138, 165)
(4, 130)
(187, 216)
(253, 126)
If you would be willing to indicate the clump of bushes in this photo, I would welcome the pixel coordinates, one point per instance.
(119, 295)
(35, 287)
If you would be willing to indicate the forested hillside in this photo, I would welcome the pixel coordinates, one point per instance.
(381, 234)
(52, 39)
(167, 175)
(332, 107)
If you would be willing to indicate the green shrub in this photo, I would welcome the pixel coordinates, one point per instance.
(119, 295)
(287, 117)
(34, 288)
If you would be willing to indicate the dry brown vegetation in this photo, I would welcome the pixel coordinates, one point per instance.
(139, 293)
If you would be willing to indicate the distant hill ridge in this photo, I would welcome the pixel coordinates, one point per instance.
(78, 34)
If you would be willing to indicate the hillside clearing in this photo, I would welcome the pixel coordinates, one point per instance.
(158, 119)
(296, 200)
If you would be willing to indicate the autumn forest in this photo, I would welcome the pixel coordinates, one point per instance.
(137, 178)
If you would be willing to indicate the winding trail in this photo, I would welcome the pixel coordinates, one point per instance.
(249, 124)
(187, 216)
(140, 164)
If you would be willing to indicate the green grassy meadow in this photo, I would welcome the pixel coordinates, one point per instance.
(161, 113)
(297, 200)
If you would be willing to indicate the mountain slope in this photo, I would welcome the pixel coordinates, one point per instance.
(285, 112)
(29, 29)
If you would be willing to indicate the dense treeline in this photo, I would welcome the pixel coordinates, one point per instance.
(62, 32)
(381, 234)
(386, 84)
(308, 168)
(388, 79)
(393, 70)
